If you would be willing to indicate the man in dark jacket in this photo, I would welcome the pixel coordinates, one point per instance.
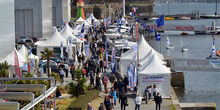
(158, 100)
(123, 100)
(126, 82)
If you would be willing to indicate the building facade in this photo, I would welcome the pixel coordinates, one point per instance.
(61, 12)
(33, 18)
(144, 7)
(7, 21)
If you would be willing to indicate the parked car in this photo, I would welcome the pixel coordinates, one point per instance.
(22, 39)
(53, 65)
(57, 60)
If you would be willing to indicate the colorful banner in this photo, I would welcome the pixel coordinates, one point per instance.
(113, 66)
(131, 69)
(149, 78)
(17, 69)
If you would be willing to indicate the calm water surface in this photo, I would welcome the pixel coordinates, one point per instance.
(200, 86)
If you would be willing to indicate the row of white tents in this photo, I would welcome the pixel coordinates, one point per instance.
(151, 69)
(67, 33)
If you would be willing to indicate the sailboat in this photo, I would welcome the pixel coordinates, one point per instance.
(183, 49)
(213, 51)
(168, 44)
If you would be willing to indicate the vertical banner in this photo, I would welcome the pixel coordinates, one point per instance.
(87, 49)
(131, 76)
(106, 50)
(17, 69)
(61, 49)
(137, 33)
(135, 77)
(113, 66)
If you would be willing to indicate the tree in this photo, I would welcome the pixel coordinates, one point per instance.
(46, 54)
(4, 72)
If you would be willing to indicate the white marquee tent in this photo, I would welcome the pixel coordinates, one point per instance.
(77, 30)
(54, 41)
(144, 49)
(66, 32)
(24, 52)
(87, 24)
(80, 20)
(11, 58)
(154, 72)
(92, 17)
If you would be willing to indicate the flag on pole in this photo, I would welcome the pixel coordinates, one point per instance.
(157, 37)
(160, 21)
(113, 66)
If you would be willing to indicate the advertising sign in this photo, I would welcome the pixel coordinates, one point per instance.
(148, 78)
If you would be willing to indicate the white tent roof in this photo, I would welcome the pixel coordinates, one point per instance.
(54, 40)
(67, 32)
(24, 51)
(11, 58)
(124, 20)
(79, 20)
(38, 42)
(90, 19)
(77, 29)
(153, 66)
(86, 24)
(144, 49)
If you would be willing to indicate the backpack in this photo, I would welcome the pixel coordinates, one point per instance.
(84, 71)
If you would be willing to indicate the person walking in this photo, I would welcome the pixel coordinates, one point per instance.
(126, 82)
(92, 78)
(146, 92)
(123, 100)
(89, 107)
(112, 79)
(154, 90)
(150, 91)
(98, 82)
(138, 100)
(113, 94)
(107, 103)
(101, 65)
(72, 71)
(158, 101)
(83, 59)
(101, 107)
(105, 82)
(105, 66)
(61, 75)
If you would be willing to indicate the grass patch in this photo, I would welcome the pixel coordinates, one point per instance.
(63, 104)
(172, 107)
(82, 101)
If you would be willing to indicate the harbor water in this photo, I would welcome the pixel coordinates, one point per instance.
(200, 86)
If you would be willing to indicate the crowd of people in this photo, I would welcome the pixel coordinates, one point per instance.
(93, 65)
